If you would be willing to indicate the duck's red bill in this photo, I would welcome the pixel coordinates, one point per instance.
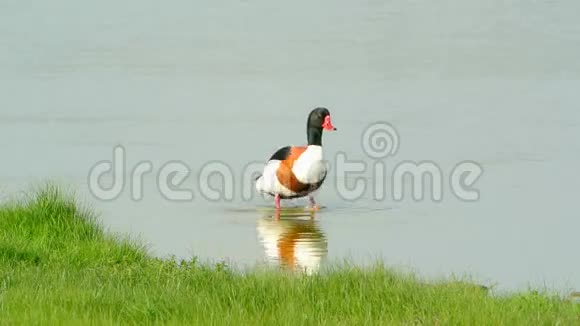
(327, 124)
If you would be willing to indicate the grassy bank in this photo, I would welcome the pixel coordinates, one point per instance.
(57, 265)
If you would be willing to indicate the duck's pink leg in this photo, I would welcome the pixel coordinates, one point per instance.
(313, 203)
(277, 201)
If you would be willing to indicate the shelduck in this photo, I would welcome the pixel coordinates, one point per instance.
(297, 171)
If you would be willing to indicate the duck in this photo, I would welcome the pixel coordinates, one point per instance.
(298, 171)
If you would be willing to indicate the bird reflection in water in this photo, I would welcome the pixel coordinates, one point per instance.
(293, 239)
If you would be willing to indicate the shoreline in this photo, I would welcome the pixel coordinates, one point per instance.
(57, 264)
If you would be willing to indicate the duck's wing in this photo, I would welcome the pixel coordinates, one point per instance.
(281, 154)
(277, 177)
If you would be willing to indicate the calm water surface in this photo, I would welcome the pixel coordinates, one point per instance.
(495, 82)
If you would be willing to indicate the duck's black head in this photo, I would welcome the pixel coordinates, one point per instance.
(318, 120)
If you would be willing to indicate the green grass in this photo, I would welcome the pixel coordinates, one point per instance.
(57, 266)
